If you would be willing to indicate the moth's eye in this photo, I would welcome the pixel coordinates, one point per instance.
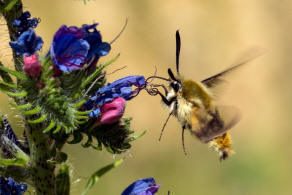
(176, 86)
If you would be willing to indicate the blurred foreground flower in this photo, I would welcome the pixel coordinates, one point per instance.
(142, 187)
(11, 187)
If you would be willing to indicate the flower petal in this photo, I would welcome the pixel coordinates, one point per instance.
(27, 44)
(113, 111)
(142, 187)
(68, 49)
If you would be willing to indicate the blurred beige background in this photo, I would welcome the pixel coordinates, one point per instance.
(214, 34)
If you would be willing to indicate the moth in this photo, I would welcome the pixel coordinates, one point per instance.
(193, 104)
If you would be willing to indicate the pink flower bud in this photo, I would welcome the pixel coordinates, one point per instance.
(113, 111)
(32, 66)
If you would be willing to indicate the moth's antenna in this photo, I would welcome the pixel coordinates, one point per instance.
(124, 27)
(164, 125)
(183, 140)
(177, 38)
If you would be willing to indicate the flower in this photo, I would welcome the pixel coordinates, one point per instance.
(119, 88)
(113, 111)
(9, 132)
(11, 187)
(142, 187)
(32, 66)
(27, 44)
(97, 47)
(69, 50)
(22, 23)
(73, 47)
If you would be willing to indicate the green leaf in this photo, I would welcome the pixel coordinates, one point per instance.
(13, 161)
(39, 120)
(10, 5)
(77, 138)
(14, 73)
(79, 104)
(83, 112)
(49, 127)
(94, 178)
(88, 142)
(9, 85)
(136, 137)
(33, 111)
(16, 94)
(58, 128)
(81, 117)
(22, 107)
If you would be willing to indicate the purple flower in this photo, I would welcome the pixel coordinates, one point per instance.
(119, 88)
(32, 67)
(113, 111)
(142, 187)
(68, 49)
(27, 44)
(11, 187)
(97, 47)
(23, 23)
(74, 47)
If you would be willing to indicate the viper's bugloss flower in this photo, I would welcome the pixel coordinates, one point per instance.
(142, 187)
(74, 47)
(11, 187)
(119, 88)
(97, 47)
(27, 44)
(113, 111)
(23, 23)
(32, 67)
(68, 50)
(9, 132)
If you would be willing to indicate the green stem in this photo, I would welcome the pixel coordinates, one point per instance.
(10, 15)
(5, 76)
(42, 169)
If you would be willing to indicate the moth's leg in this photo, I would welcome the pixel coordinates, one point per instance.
(164, 126)
(183, 139)
(165, 100)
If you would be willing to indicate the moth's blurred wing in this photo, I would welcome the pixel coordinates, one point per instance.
(214, 82)
(207, 126)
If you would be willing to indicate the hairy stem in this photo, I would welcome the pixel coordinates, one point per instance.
(10, 15)
(41, 168)
(5, 76)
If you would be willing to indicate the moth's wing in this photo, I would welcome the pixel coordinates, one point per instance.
(214, 82)
(207, 126)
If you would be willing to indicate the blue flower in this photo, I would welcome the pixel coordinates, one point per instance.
(11, 187)
(68, 49)
(23, 23)
(9, 132)
(27, 44)
(74, 47)
(119, 88)
(142, 187)
(97, 47)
